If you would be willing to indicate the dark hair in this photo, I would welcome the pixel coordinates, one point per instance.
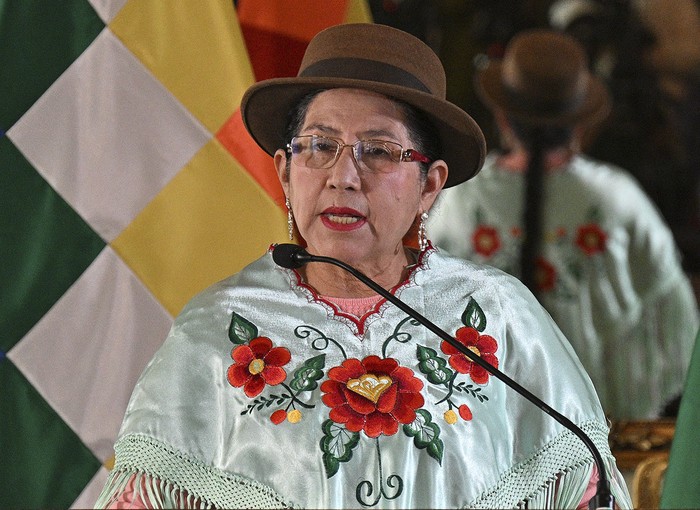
(296, 116)
(420, 129)
(544, 137)
(538, 139)
(421, 132)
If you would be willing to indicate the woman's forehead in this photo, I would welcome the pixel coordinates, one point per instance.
(338, 110)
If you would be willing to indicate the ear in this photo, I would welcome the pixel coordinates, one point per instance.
(280, 159)
(434, 182)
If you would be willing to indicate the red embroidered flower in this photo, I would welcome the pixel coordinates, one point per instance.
(257, 364)
(483, 345)
(545, 274)
(591, 239)
(486, 240)
(373, 395)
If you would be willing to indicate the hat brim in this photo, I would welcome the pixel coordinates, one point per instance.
(593, 108)
(266, 105)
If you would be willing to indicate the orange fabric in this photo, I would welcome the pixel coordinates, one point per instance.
(234, 137)
(277, 32)
(301, 19)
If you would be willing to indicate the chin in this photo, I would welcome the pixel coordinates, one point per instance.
(347, 251)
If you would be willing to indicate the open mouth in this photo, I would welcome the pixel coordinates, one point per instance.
(342, 219)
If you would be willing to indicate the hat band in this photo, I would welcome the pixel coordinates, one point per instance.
(542, 106)
(363, 70)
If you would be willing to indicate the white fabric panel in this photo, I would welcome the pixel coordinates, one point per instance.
(128, 136)
(92, 490)
(107, 9)
(87, 352)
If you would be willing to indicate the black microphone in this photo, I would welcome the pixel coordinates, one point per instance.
(292, 256)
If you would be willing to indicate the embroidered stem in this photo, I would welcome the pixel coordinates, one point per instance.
(305, 332)
(295, 399)
(366, 484)
(398, 335)
(450, 390)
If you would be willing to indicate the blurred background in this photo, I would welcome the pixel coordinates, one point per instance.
(648, 53)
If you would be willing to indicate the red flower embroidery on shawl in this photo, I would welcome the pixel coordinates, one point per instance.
(396, 404)
(545, 274)
(483, 345)
(257, 364)
(486, 240)
(591, 239)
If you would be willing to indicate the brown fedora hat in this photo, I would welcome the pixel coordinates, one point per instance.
(373, 57)
(544, 78)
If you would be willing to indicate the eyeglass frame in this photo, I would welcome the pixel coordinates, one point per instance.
(406, 155)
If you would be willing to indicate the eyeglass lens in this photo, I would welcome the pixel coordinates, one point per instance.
(321, 152)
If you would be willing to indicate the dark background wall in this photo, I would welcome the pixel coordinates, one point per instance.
(653, 131)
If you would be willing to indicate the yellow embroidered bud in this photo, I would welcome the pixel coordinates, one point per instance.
(294, 416)
(256, 366)
(450, 417)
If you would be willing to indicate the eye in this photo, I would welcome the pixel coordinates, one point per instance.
(298, 145)
(322, 144)
(377, 150)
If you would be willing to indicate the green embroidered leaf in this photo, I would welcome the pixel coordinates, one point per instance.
(433, 366)
(306, 376)
(337, 444)
(435, 449)
(474, 316)
(331, 464)
(426, 434)
(261, 402)
(474, 392)
(241, 331)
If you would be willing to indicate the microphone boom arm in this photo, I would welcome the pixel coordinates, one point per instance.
(603, 497)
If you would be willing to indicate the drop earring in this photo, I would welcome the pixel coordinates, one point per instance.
(290, 219)
(422, 239)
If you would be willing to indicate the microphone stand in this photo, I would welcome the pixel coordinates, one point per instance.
(603, 497)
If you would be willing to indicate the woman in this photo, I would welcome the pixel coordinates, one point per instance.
(580, 232)
(303, 388)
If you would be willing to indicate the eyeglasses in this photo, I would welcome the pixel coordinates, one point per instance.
(374, 156)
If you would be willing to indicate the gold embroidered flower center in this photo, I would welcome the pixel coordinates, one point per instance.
(256, 366)
(370, 386)
(475, 350)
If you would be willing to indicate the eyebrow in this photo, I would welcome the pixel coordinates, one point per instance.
(322, 127)
(366, 135)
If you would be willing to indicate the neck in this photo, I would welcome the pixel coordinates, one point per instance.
(333, 281)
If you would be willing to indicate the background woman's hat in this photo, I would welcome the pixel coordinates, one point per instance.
(378, 58)
(544, 78)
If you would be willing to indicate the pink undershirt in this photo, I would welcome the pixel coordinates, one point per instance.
(354, 306)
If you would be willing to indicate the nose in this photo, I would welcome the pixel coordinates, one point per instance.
(345, 173)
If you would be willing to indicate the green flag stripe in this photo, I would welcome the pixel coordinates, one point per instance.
(38, 41)
(44, 463)
(44, 246)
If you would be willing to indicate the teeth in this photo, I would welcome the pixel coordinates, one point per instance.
(345, 220)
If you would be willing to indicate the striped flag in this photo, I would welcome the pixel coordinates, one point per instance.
(127, 184)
